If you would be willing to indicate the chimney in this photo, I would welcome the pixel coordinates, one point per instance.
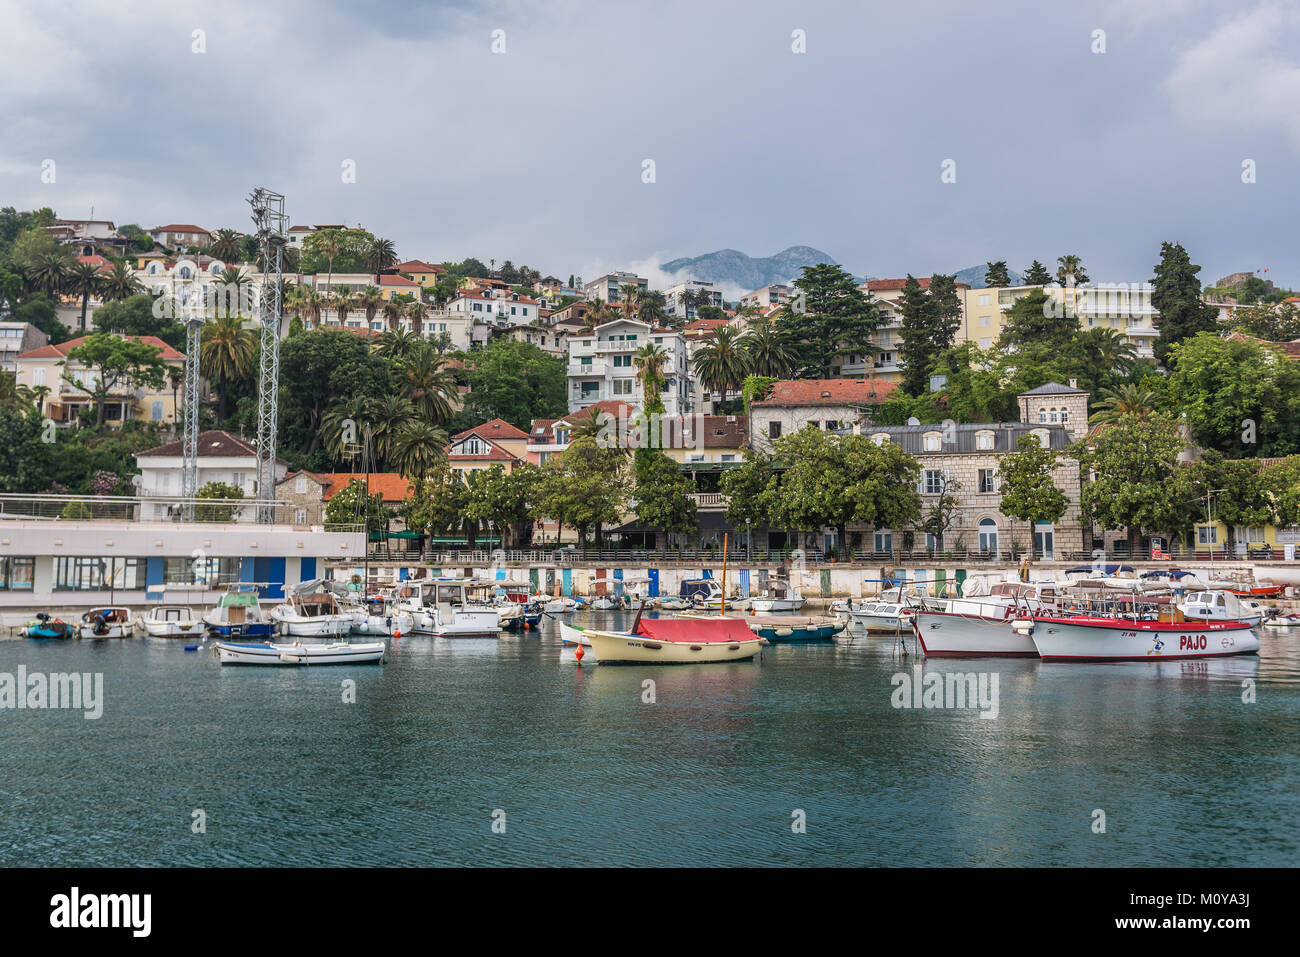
(1074, 383)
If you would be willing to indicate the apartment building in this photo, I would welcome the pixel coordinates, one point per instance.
(1124, 307)
(609, 287)
(675, 297)
(602, 366)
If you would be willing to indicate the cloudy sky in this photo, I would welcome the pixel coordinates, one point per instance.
(536, 154)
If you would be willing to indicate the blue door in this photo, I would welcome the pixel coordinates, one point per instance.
(653, 589)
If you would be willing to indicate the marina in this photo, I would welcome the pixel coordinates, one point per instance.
(725, 752)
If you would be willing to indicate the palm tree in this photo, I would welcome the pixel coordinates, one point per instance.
(227, 245)
(630, 293)
(371, 300)
(313, 306)
(649, 361)
(39, 392)
(120, 283)
(387, 417)
(83, 280)
(341, 300)
(226, 355)
(13, 394)
(417, 311)
(49, 273)
(330, 244)
(427, 384)
(342, 426)
(397, 344)
(1107, 349)
(227, 281)
(176, 379)
(1126, 400)
(394, 312)
(722, 363)
(380, 254)
(418, 448)
(769, 351)
(652, 307)
(1070, 271)
(598, 313)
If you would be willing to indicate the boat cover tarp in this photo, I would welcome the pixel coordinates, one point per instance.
(695, 631)
(1112, 569)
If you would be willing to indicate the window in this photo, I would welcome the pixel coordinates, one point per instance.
(728, 458)
(1065, 416)
(301, 485)
(473, 446)
(1252, 535)
(300, 516)
(586, 360)
(1051, 415)
(774, 430)
(1207, 535)
(16, 574)
(933, 479)
(1042, 415)
(623, 361)
(38, 377)
(155, 411)
(238, 479)
(933, 442)
(983, 441)
(988, 481)
(561, 436)
(201, 571)
(984, 299)
(984, 321)
(988, 530)
(623, 386)
(884, 541)
(87, 573)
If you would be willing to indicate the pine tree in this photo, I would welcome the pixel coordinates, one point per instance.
(930, 323)
(996, 274)
(1036, 275)
(1176, 295)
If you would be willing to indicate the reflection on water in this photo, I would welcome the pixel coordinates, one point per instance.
(706, 765)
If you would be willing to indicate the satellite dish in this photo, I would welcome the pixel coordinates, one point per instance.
(913, 421)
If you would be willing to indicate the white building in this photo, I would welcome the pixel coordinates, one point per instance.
(222, 457)
(673, 295)
(609, 287)
(774, 295)
(17, 338)
(181, 235)
(500, 307)
(602, 366)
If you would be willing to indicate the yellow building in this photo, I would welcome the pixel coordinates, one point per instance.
(1124, 307)
(425, 274)
(49, 368)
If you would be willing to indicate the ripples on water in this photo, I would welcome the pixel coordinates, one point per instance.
(586, 773)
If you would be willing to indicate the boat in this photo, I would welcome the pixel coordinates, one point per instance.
(510, 615)
(983, 623)
(572, 635)
(675, 641)
(311, 611)
(1216, 605)
(238, 614)
(171, 621)
(378, 617)
(268, 653)
(1088, 638)
(47, 628)
(784, 628)
(675, 604)
(885, 617)
(451, 607)
(607, 603)
(532, 615)
(779, 595)
(1281, 621)
(113, 622)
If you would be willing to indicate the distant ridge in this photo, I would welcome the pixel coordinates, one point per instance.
(975, 276)
(738, 271)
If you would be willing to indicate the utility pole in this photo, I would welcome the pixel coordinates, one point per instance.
(272, 227)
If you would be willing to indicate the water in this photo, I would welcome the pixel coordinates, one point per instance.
(447, 732)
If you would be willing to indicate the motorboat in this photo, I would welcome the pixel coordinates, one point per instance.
(1281, 621)
(311, 611)
(112, 622)
(47, 628)
(607, 603)
(885, 617)
(982, 624)
(297, 653)
(1216, 605)
(380, 618)
(675, 641)
(510, 615)
(451, 607)
(779, 595)
(675, 604)
(171, 621)
(238, 614)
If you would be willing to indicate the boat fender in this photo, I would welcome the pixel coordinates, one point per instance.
(697, 647)
(784, 632)
(652, 645)
(733, 647)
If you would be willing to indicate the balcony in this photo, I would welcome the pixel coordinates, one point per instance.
(709, 500)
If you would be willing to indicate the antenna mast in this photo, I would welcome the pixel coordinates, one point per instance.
(272, 225)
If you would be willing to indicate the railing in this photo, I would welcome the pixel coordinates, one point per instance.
(152, 510)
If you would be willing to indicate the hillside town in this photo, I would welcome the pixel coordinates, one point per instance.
(483, 404)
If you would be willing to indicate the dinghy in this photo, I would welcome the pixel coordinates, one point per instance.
(47, 628)
(676, 641)
(106, 623)
(280, 655)
(170, 621)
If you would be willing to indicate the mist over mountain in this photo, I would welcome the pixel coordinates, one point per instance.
(738, 273)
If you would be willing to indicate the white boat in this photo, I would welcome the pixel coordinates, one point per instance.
(380, 618)
(171, 621)
(510, 615)
(268, 653)
(311, 611)
(110, 622)
(675, 604)
(779, 595)
(1282, 621)
(451, 607)
(607, 603)
(885, 617)
(571, 635)
(1088, 638)
(1215, 605)
(676, 641)
(985, 624)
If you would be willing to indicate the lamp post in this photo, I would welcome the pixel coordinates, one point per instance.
(749, 542)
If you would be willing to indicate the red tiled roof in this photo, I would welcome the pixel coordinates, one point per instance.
(212, 443)
(61, 350)
(829, 392)
(492, 431)
(392, 279)
(704, 325)
(393, 486)
(886, 285)
(1289, 349)
(495, 453)
(486, 295)
(179, 228)
(302, 229)
(419, 265)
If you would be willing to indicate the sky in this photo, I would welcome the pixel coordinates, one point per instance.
(537, 152)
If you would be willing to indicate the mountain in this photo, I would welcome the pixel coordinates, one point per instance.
(975, 276)
(734, 270)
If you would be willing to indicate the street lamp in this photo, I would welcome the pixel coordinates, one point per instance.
(749, 542)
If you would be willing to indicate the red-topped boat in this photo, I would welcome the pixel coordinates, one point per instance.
(675, 641)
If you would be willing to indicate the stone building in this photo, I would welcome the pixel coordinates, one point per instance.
(304, 493)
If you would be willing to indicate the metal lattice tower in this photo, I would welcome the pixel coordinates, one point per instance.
(272, 226)
(190, 442)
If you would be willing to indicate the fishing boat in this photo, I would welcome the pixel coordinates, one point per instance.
(378, 617)
(114, 622)
(1215, 605)
(311, 611)
(884, 617)
(983, 623)
(278, 655)
(510, 615)
(675, 641)
(675, 604)
(607, 603)
(170, 621)
(452, 607)
(779, 595)
(47, 628)
(237, 614)
(1281, 621)
(572, 635)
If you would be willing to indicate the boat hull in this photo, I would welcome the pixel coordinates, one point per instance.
(573, 636)
(248, 629)
(954, 635)
(776, 604)
(330, 626)
(285, 655)
(173, 629)
(882, 625)
(613, 648)
(1105, 639)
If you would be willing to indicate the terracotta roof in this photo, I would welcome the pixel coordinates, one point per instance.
(99, 262)
(717, 431)
(393, 486)
(495, 453)
(492, 431)
(212, 443)
(302, 229)
(614, 407)
(885, 285)
(829, 392)
(486, 294)
(704, 325)
(1289, 349)
(179, 228)
(61, 350)
(419, 265)
(392, 279)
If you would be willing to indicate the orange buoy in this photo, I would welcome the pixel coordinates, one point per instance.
(397, 634)
(578, 654)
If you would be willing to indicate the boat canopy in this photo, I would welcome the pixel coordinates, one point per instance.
(695, 630)
(1100, 569)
